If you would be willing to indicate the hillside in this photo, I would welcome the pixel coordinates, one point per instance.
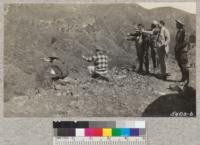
(77, 29)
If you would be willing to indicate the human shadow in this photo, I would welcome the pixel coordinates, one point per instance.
(167, 79)
(165, 105)
(170, 80)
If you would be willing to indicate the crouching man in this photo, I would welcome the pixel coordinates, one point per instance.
(100, 64)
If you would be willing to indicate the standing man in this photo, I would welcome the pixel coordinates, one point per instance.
(163, 48)
(141, 44)
(153, 38)
(152, 35)
(181, 50)
(100, 61)
(142, 48)
(136, 37)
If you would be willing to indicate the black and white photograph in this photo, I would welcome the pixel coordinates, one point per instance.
(100, 60)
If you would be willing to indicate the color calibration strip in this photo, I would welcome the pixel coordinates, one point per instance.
(99, 133)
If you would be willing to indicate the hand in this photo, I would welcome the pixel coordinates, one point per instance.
(84, 57)
(46, 59)
(128, 34)
(166, 43)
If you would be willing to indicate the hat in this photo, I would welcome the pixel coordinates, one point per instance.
(155, 22)
(179, 22)
(50, 59)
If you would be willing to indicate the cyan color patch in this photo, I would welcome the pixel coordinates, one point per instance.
(125, 132)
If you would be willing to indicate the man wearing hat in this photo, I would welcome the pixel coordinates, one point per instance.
(100, 61)
(153, 38)
(181, 50)
(55, 66)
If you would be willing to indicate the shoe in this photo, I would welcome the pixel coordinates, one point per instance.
(162, 76)
(182, 79)
(140, 71)
(147, 72)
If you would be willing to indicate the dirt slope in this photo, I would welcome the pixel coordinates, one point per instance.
(29, 30)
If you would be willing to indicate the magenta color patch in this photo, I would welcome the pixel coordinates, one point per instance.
(88, 132)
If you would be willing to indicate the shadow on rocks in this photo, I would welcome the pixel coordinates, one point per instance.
(166, 105)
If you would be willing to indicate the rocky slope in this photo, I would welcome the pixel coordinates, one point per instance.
(77, 29)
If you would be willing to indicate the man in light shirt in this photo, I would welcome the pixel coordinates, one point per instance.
(163, 48)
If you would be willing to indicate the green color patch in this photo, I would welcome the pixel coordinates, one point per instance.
(116, 132)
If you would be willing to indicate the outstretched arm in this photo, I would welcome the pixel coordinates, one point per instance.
(89, 59)
(148, 32)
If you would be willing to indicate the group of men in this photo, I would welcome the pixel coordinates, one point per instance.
(156, 40)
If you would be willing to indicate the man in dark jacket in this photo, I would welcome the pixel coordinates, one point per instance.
(142, 48)
(181, 50)
(153, 34)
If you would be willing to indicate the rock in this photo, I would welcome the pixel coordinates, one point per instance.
(32, 92)
(20, 100)
(64, 93)
(176, 87)
(73, 103)
(121, 76)
(69, 80)
(58, 87)
(58, 94)
(160, 93)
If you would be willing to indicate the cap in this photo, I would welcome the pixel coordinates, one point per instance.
(179, 22)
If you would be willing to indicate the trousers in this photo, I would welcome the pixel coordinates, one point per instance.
(162, 59)
(143, 56)
(182, 60)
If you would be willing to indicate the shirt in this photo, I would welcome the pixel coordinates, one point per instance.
(100, 62)
(138, 41)
(181, 43)
(151, 35)
(164, 37)
(155, 34)
(180, 36)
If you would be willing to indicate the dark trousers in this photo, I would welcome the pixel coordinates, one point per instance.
(144, 57)
(162, 59)
(182, 60)
(153, 55)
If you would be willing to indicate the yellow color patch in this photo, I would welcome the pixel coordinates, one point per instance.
(107, 132)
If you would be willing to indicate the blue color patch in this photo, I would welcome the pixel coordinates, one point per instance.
(125, 132)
